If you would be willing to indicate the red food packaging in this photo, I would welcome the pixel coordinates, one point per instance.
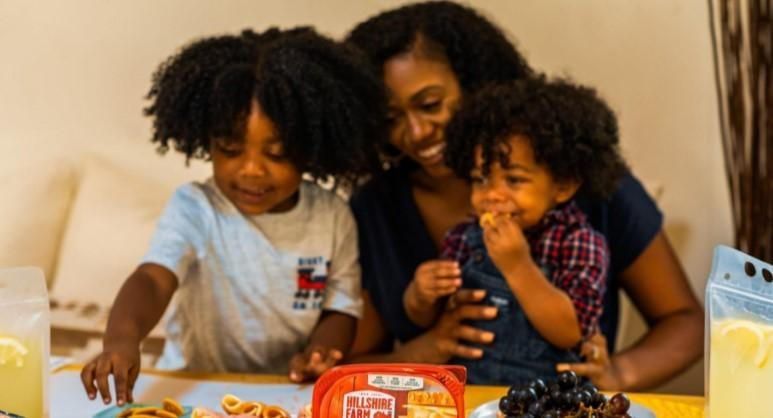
(390, 391)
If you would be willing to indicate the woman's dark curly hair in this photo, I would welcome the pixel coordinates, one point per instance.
(328, 109)
(571, 130)
(477, 50)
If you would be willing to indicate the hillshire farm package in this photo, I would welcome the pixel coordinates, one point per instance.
(390, 391)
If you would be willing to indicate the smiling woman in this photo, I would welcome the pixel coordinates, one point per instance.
(428, 54)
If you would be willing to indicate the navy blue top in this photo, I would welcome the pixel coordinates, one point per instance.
(394, 241)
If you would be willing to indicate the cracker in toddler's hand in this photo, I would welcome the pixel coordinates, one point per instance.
(486, 219)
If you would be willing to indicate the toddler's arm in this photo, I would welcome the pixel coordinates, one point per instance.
(433, 280)
(549, 308)
(142, 300)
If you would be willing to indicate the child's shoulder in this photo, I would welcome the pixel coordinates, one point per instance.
(319, 198)
(577, 227)
(198, 196)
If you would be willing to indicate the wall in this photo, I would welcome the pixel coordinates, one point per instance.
(73, 76)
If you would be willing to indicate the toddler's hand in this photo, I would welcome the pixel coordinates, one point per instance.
(505, 242)
(122, 360)
(313, 362)
(435, 279)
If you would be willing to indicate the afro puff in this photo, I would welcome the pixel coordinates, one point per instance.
(571, 130)
(477, 51)
(328, 109)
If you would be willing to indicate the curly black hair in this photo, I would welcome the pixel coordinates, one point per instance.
(476, 49)
(571, 130)
(329, 110)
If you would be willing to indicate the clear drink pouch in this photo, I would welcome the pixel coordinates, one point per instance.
(24, 342)
(739, 336)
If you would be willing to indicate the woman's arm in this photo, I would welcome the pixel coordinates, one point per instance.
(659, 289)
(435, 346)
(370, 335)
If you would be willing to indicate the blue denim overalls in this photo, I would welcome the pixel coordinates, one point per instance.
(519, 353)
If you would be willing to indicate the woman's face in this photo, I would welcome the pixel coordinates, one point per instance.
(424, 94)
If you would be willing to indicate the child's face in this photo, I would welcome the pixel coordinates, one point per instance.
(254, 174)
(522, 189)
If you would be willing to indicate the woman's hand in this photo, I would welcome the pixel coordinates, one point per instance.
(445, 339)
(598, 367)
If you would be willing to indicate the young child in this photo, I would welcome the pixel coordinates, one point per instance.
(527, 147)
(263, 264)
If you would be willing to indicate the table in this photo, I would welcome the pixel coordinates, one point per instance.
(664, 406)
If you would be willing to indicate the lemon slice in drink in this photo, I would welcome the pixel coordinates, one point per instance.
(12, 351)
(750, 338)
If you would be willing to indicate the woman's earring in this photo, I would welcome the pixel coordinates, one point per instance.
(390, 156)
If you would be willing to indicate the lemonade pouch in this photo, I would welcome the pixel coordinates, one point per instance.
(24, 342)
(739, 336)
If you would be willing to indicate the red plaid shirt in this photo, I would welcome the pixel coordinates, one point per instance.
(565, 241)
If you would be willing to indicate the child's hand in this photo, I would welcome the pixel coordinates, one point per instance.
(122, 360)
(506, 244)
(310, 364)
(435, 279)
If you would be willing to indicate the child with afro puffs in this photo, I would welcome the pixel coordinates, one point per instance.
(262, 263)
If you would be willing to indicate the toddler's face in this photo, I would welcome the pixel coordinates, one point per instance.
(522, 189)
(254, 173)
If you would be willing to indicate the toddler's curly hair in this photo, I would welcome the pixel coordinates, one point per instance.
(571, 130)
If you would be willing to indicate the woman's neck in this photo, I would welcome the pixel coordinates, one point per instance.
(452, 188)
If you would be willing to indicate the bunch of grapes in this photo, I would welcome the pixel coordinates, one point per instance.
(565, 398)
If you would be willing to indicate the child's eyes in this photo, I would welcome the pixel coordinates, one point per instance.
(276, 156)
(515, 180)
(432, 106)
(229, 150)
(477, 180)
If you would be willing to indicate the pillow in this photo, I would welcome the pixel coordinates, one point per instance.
(37, 193)
(111, 222)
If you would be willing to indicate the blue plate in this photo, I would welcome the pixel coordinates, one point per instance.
(115, 410)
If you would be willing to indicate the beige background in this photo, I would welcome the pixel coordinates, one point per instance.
(73, 75)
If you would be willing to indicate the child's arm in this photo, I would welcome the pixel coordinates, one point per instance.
(329, 343)
(548, 308)
(434, 280)
(142, 300)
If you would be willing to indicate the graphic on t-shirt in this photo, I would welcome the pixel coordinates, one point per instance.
(312, 279)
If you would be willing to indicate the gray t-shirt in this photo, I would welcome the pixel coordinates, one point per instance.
(251, 289)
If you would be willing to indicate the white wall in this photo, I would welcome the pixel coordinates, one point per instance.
(73, 75)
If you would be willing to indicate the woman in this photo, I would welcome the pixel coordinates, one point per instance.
(430, 55)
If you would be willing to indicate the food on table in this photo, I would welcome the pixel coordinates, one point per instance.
(169, 408)
(173, 406)
(566, 397)
(305, 412)
(430, 404)
(390, 390)
(235, 407)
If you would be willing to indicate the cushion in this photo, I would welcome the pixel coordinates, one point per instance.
(111, 222)
(37, 193)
